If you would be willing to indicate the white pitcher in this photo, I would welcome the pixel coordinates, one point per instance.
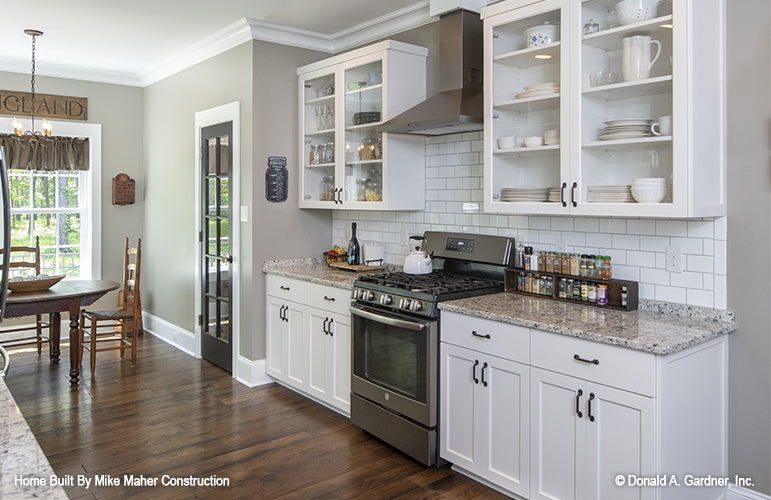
(636, 60)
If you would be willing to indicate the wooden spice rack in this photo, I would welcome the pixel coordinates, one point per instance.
(615, 289)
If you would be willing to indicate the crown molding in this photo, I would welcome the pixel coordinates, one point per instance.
(217, 43)
(234, 35)
(72, 72)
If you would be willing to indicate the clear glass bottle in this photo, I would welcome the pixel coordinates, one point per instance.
(575, 264)
(598, 265)
(565, 263)
(549, 262)
(606, 268)
(590, 266)
(584, 259)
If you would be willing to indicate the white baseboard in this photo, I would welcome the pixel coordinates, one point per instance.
(740, 493)
(251, 373)
(170, 333)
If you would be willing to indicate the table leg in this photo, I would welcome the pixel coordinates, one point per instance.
(74, 343)
(55, 320)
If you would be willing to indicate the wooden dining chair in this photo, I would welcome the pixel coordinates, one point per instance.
(122, 323)
(26, 259)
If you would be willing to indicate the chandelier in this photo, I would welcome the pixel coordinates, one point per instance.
(17, 126)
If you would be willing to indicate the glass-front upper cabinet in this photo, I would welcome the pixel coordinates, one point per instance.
(318, 156)
(363, 143)
(626, 107)
(526, 106)
(348, 162)
(605, 107)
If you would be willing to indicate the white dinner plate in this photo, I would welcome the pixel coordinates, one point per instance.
(537, 93)
(629, 121)
(542, 86)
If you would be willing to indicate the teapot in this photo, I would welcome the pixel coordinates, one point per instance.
(418, 262)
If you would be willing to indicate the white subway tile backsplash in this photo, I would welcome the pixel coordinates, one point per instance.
(671, 227)
(700, 263)
(670, 294)
(613, 226)
(641, 259)
(626, 241)
(636, 226)
(586, 225)
(454, 170)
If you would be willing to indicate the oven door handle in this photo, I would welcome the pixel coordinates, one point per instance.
(409, 325)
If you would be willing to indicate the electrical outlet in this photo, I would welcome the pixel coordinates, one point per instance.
(674, 259)
(561, 246)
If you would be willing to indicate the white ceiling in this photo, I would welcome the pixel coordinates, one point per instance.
(141, 41)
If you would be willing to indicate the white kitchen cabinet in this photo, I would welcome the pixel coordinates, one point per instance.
(686, 82)
(584, 434)
(595, 411)
(346, 162)
(308, 342)
(484, 415)
(329, 365)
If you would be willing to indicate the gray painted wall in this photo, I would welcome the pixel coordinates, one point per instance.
(118, 109)
(170, 164)
(262, 76)
(749, 239)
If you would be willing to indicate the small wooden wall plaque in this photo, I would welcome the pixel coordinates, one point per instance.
(123, 190)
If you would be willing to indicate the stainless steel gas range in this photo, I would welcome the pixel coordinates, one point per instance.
(396, 332)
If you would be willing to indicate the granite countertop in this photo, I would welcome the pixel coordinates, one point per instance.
(26, 472)
(313, 270)
(657, 327)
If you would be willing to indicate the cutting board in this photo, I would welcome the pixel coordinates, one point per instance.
(359, 268)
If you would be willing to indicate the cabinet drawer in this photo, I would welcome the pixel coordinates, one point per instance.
(286, 288)
(616, 366)
(329, 298)
(506, 341)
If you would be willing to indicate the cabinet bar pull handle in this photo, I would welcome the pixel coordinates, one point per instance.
(474, 371)
(484, 367)
(594, 361)
(562, 194)
(326, 332)
(284, 288)
(475, 334)
(281, 313)
(573, 194)
(329, 298)
(340, 195)
(331, 322)
(589, 407)
(578, 403)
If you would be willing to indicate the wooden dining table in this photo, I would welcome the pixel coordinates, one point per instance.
(70, 296)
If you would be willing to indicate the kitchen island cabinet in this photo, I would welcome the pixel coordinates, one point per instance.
(308, 337)
(570, 91)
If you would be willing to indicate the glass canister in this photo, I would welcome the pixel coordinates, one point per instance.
(327, 188)
(373, 186)
(371, 148)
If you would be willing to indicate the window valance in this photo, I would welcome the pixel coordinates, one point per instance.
(49, 153)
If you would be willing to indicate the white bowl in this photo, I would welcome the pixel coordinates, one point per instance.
(533, 141)
(543, 34)
(507, 142)
(634, 11)
(648, 194)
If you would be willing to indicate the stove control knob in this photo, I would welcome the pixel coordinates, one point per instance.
(405, 304)
(386, 300)
(369, 296)
(417, 306)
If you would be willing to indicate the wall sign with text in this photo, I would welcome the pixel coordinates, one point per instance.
(46, 105)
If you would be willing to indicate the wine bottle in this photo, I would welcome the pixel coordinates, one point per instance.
(354, 250)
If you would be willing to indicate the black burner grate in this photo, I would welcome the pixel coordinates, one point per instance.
(437, 283)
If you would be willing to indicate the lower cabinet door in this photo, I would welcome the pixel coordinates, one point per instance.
(276, 341)
(558, 405)
(296, 369)
(620, 440)
(340, 370)
(457, 416)
(505, 422)
(319, 354)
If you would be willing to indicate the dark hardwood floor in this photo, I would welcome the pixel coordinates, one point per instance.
(175, 415)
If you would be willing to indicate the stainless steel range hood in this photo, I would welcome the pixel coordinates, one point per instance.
(459, 105)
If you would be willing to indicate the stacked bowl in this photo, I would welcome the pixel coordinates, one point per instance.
(649, 189)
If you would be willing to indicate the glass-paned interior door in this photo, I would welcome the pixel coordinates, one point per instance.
(215, 236)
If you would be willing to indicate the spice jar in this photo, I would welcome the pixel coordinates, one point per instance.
(527, 258)
(565, 263)
(575, 264)
(606, 269)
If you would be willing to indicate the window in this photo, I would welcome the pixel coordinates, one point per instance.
(53, 207)
(63, 208)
